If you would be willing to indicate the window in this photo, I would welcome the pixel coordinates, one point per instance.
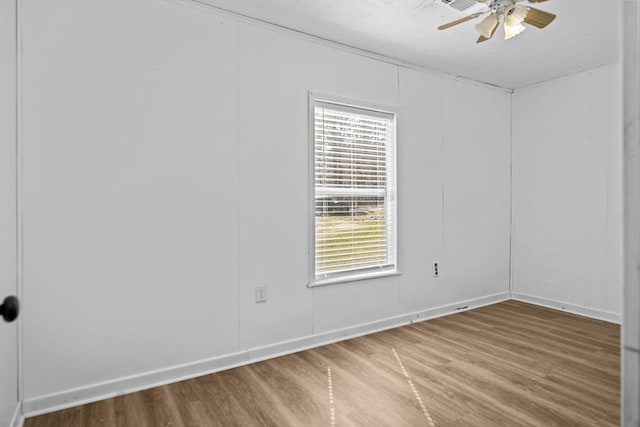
(354, 197)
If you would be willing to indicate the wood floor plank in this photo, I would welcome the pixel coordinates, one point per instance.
(509, 364)
(100, 413)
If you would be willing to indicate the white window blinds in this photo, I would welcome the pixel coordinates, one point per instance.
(354, 191)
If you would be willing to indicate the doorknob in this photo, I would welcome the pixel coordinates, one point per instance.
(10, 308)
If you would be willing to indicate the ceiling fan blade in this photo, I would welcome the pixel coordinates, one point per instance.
(538, 18)
(461, 20)
(537, 1)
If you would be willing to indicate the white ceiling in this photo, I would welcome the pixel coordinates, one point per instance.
(583, 36)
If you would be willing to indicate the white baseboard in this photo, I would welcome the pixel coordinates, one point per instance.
(571, 308)
(108, 389)
(17, 420)
(99, 391)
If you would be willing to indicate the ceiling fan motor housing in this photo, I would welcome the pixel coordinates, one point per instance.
(503, 6)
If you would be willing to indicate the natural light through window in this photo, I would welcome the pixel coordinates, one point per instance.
(354, 210)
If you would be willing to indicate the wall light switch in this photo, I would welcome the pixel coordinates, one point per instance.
(436, 270)
(261, 293)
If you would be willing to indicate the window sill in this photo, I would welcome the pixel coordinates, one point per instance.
(353, 278)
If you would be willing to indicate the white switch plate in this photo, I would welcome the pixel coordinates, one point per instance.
(261, 293)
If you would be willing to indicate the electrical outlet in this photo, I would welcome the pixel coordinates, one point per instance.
(436, 270)
(261, 293)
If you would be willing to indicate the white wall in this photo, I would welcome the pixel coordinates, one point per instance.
(8, 331)
(567, 203)
(165, 175)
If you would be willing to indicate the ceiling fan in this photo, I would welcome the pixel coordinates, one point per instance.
(509, 12)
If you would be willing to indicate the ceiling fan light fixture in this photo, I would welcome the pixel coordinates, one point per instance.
(487, 25)
(515, 14)
(513, 30)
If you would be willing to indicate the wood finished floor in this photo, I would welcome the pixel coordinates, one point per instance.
(507, 364)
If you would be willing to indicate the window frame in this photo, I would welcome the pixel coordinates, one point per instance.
(356, 106)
